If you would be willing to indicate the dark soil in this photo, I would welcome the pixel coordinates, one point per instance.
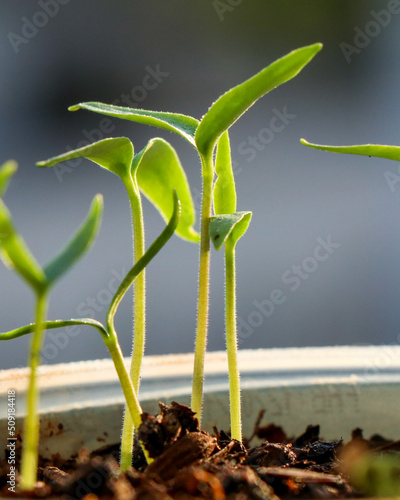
(192, 464)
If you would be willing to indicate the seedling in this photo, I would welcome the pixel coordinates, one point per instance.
(204, 135)
(108, 332)
(226, 228)
(156, 171)
(16, 254)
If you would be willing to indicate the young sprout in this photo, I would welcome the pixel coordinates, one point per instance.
(16, 254)
(108, 333)
(155, 171)
(203, 135)
(226, 228)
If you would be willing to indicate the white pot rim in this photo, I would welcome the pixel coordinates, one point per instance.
(339, 387)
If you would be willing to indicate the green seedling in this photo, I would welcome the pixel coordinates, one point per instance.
(108, 332)
(155, 171)
(204, 135)
(16, 254)
(226, 228)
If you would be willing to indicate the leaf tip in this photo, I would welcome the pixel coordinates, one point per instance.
(74, 107)
(98, 201)
(10, 166)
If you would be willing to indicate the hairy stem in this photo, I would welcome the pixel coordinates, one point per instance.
(231, 341)
(31, 425)
(139, 319)
(132, 401)
(203, 291)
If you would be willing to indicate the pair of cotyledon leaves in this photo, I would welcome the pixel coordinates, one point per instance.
(15, 253)
(155, 176)
(156, 170)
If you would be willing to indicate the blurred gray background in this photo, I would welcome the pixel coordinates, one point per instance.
(103, 50)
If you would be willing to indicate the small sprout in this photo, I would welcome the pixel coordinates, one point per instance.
(156, 171)
(228, 229)
(108, 333)
(16, 254)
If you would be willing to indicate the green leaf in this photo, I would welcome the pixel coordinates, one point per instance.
(15, 253)
(228, 226)
(231, 105)
(224, 188)
(159, 171)
(7, 170)
(180, 124)
(378, 150)
(79, 243)
(113, 154)
(49, 325)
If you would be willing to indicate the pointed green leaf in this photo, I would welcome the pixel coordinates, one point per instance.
(232, 226)
(159, 171)
(231, 105)
(15, 253)
(79, 243)
(224, 188)
(49, 325)
(114, 154)
(378, 150)
(180, 124)
(7, 170)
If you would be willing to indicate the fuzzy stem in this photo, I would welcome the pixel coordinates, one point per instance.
(132, 403)
(203, 290)
(30, 446)
(139, 318)
(231, 341)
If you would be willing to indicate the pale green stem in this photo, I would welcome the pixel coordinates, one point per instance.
(30, 445)
(203, 291)
(231, 341)
(132, 401)
(139, 319)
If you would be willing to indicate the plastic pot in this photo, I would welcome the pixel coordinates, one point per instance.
(340, 388)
